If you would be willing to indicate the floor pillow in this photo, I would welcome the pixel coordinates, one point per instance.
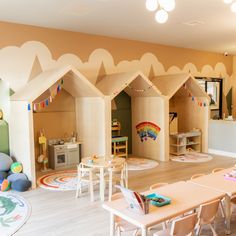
(5, 162)
(21, 185)
(14, 177)
(3, 175)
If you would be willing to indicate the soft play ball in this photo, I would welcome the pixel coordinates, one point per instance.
(14, 177)
(21, 185)
(3, 175)
(16, 167)
(5, 185)
(5, 162)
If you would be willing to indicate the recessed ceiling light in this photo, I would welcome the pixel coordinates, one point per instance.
(228, 1)
(194, 23)
(233, 7)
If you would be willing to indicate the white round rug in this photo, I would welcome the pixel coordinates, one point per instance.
(14, 212)
(135, 163)
(193, 157)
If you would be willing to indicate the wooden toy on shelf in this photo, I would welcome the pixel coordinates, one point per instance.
(42, 159)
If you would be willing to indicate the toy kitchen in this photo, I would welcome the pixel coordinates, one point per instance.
(63, 154)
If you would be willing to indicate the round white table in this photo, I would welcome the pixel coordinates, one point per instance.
(102, 163)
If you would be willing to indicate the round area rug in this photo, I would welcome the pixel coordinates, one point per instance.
(193, 157)
(59, 181)
(135, 163)
(14, 212)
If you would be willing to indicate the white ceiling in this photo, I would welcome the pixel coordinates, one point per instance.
(129, 19)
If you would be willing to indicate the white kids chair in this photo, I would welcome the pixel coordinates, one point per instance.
(180, 227)
(120, 224)
(85, 175)
(157, 185)
(117, 175)
(206, 215)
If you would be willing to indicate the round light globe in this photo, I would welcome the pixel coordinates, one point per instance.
(167, 5)
(161, 16)
(227, 1)
(233, 7)
(151, 5)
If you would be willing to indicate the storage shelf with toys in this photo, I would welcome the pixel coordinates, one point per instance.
(181, 143)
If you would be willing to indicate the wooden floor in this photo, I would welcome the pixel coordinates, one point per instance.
(59, 213)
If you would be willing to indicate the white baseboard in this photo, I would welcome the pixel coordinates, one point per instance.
(222, 153)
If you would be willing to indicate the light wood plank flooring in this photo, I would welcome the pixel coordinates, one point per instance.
(59, 213)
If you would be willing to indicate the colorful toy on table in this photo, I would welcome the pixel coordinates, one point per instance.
(158, 200)
(231, 175)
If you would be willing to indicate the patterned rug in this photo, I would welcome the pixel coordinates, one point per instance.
(59, 181)
(14, 212)
(135, 163)
(193, 157)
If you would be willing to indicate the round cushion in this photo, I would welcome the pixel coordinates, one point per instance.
(3, 175)
(16, 176)
(21, 185)
(16, 167)
(5, 162)
(5, 185)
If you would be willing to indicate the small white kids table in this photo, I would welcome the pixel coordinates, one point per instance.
(102, 163)
(217, 182)
(185, 196)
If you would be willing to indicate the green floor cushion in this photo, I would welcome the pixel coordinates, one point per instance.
(21, 185)
(14, 177)
(5, 162)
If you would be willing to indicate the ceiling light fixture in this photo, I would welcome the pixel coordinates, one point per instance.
(162, 7)
(233, 4)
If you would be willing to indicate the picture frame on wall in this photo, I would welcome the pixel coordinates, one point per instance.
(213, 91)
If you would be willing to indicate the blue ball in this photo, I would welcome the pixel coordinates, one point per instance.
(21, 185)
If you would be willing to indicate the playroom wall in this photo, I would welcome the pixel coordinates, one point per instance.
(146, 109)
(92, 126)
(57, 120)
(20, 44)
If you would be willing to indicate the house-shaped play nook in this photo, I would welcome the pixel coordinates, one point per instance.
(185, 98)
(89, 116)
(145, 119)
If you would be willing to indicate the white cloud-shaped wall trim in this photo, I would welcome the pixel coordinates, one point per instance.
(16, 64)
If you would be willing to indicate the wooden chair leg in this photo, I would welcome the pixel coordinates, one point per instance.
(110, 186)
(213, 230)
(199, 229)
(222, 209)
(91, 191)
(135, 233)
(78, 188)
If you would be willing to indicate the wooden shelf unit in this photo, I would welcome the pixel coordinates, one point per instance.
(181, 143)
(119, 143)
(120, 146)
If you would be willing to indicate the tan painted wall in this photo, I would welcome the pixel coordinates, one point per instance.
(57, 120)
(60, 42)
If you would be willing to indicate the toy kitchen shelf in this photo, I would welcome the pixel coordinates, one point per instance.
(181, 143)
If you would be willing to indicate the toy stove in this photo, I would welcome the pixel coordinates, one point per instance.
(57, 153)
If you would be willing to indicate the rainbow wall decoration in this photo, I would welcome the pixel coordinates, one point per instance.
(147, 130)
